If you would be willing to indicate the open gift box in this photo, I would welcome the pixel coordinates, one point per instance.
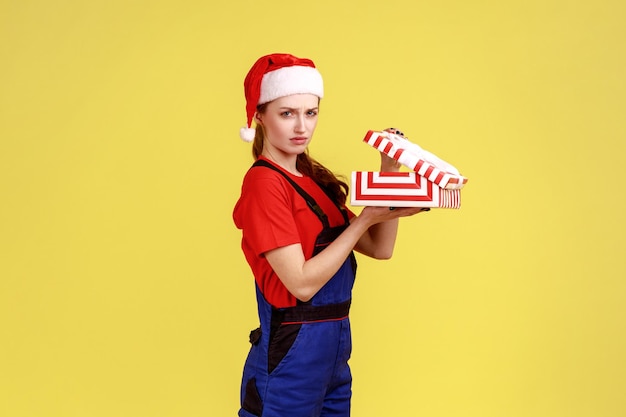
(432, 182)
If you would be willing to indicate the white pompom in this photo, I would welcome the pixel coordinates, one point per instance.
(247, 134)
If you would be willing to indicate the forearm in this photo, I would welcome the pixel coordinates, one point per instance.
(304, 278)
(325, 264)
(382, 238)
(379, 240)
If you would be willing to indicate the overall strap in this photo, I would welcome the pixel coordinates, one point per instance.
(309, 200)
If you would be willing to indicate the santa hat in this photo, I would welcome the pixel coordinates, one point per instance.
(274, 76)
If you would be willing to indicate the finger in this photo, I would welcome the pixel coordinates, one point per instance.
(410, 211)
(394, 131)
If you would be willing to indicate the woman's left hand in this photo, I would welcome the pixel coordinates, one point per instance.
(388, 164)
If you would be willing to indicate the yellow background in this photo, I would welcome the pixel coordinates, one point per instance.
(123, 291)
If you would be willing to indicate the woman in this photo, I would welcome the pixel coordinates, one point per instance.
(298, 238)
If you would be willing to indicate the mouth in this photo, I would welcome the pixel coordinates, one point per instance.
(299, 140)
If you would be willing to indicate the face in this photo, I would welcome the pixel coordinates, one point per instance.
(289, 123)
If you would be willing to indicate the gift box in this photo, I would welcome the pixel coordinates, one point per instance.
(400, 189)
(433, 182)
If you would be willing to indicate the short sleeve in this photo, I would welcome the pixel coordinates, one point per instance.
(264, 213)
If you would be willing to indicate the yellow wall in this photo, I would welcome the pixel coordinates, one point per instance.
(123, 291)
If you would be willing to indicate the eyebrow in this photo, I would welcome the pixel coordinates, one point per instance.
(296, 108)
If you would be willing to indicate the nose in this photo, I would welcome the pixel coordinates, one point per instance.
(300, 126)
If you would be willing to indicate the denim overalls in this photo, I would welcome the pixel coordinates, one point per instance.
(298, 362)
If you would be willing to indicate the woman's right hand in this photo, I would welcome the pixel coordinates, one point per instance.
(375, 215)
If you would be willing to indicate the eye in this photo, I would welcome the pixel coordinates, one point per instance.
(286, 113)
(311, 113)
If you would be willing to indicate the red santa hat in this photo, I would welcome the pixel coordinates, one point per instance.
(274, 76)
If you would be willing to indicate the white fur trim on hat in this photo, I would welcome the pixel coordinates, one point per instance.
(247, 133)
(291, 80)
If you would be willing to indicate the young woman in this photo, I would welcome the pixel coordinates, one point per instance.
(298, 238)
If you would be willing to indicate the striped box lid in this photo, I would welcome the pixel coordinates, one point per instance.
(417, 159)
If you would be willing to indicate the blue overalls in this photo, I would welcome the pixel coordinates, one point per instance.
(298, 362)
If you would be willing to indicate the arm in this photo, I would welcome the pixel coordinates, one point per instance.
(372, 233)
(304, 278)
(379, 240)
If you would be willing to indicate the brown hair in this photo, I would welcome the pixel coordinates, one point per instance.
(336, 189)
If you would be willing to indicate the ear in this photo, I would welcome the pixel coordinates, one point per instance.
(257, 118)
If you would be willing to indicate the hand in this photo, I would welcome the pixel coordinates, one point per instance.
(388, 164)
(394, 131)
(376, 215)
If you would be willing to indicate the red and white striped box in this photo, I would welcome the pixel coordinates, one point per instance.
(400, 189)
(433, 182)
(417, 159)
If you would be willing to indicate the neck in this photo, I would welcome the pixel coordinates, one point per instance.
(288, 163)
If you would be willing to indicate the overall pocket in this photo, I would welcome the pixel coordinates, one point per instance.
(252, 403)
(282, 339)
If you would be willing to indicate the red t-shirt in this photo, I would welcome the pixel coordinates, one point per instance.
(271, 214)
